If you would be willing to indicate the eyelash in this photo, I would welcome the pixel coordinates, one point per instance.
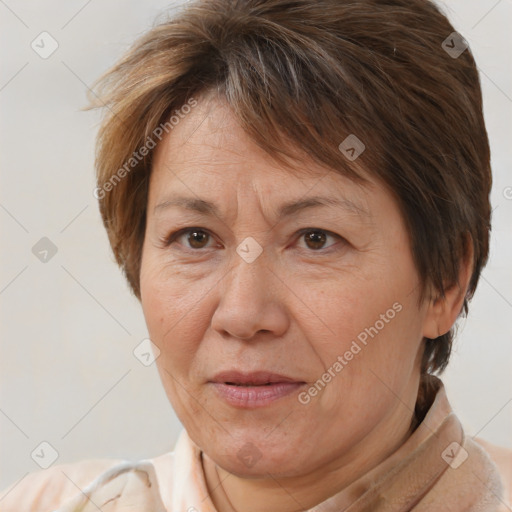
(170, 239)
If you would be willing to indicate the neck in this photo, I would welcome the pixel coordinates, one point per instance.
(231, 493)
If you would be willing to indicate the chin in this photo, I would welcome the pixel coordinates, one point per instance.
(254, 456)
(257, 468)
(255, 445)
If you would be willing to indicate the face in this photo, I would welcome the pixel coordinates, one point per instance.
(288, 335)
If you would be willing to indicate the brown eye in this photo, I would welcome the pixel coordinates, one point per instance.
(315, 239)
(189, 238)
(197, 238)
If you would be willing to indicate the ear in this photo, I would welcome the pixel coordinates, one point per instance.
(442, 311)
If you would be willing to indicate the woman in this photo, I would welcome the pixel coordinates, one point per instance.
(282, 188)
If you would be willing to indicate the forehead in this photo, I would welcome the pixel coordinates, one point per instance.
(208, 156)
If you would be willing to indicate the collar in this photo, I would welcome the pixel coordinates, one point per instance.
(406, 480)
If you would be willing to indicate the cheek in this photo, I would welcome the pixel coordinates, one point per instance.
(374, 326)
(349, 306)
(172, 326)
(170, 311)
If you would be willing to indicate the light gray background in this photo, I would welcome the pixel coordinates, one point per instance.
(69, 326)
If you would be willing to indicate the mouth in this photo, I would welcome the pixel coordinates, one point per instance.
(248, 384)
(255, 389)
(259, 378)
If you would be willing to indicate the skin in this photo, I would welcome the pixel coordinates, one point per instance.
(292, 311)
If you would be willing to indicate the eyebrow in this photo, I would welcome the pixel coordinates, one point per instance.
(285, 210)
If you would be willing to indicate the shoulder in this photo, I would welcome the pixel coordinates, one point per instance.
(47, 489)
(502, 458)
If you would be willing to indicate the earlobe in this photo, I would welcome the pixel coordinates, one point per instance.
(436, 311)
(443, 310)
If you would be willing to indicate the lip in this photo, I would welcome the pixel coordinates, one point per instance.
(254, 389)
(256, 378)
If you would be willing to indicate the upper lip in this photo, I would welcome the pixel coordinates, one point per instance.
(254, 378)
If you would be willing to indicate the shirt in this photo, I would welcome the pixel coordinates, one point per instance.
(437, 468)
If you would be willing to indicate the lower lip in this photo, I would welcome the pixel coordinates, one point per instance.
(249, 397)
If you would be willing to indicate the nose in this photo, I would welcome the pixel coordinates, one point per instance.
(250, 302)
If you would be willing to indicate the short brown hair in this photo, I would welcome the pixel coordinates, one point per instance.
(311, 73)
